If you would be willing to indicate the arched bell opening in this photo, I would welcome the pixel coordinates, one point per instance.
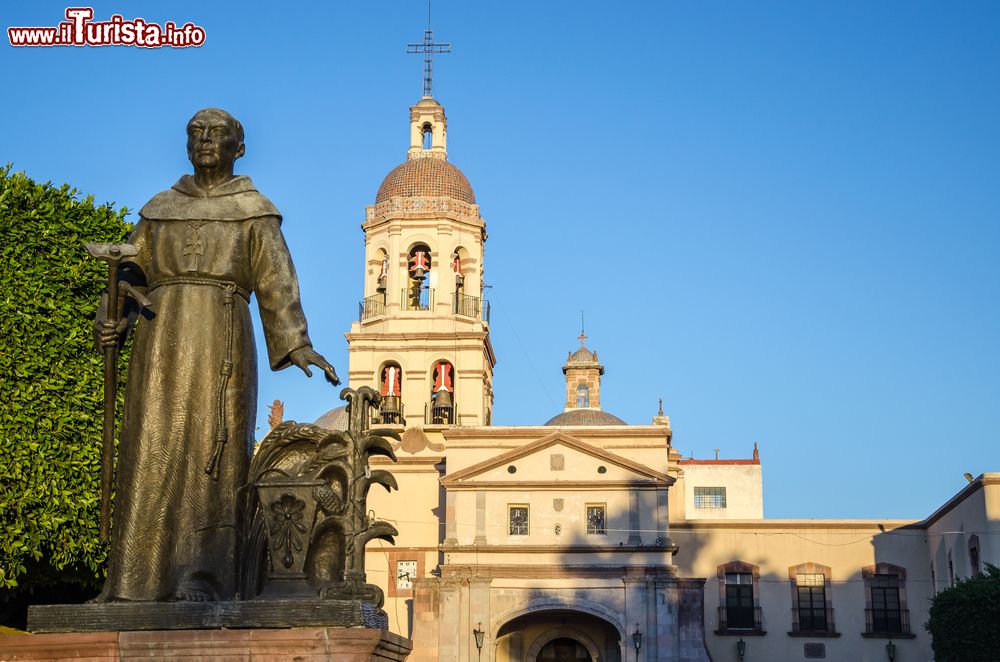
(391, 388)
(441, 408)
(467, 300)
(582, 396)
(418, 295)
(373, 305)
(381, 281)
(427, 136)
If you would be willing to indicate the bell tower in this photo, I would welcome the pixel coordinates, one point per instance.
(423, 332)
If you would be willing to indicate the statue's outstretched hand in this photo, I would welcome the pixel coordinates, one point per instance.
(303, 357)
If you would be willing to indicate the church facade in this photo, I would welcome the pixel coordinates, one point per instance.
(587, 538)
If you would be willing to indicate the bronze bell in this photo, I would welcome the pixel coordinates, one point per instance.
(390, 403)
(442, 399)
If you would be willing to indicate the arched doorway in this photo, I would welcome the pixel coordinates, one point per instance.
(564, 635)
(564, 649)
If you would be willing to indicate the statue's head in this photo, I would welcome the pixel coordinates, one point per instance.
(215, 139)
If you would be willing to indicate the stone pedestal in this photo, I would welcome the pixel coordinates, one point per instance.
(299, 644)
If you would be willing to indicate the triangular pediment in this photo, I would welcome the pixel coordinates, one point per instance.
(556, 458)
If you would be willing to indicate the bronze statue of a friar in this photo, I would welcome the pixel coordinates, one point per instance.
(202, 248)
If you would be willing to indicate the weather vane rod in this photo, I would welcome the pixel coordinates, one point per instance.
(428, 47)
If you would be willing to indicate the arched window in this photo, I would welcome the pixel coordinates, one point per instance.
(885, 598)
(427, 132)
(582, 396)
(739, 597)
(812, 602)
(975, 568)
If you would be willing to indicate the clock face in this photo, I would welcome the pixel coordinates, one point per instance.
(406, 572)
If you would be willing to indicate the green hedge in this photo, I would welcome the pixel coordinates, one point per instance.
(51, 383)
(965, 620)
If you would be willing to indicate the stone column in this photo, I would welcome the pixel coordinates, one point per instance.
(479, 608)
(450, 621)
(633, 518)
(662, 517)
(425, 619)
(480, 517)
(451, 525)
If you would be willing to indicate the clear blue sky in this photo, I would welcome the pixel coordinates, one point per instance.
(783, 218)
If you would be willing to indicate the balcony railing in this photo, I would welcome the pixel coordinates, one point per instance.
(463, 304)
(813, 621)
(373, 306)
(740, 619)
(439, 414)
(470, 306)
(887, 621)
(422, 299)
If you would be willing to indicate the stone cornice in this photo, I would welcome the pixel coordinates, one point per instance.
(494, 571)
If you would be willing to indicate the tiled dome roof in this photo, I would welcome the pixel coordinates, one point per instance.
(583, 355)
(335, 419)
(586, 417)
(425, 176)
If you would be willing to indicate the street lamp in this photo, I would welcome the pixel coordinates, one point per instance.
(890, 650)
(741, 648)
(637, 640)
(479, 634)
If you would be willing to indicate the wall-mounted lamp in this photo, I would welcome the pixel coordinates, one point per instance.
(479, 634)
(637, 640)
(890, 650)
(741, 648)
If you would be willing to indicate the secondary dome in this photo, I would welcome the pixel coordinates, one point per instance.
(425, 177)
(335, 419)
(585, 417)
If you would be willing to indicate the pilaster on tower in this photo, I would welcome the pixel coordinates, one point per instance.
(422, 337)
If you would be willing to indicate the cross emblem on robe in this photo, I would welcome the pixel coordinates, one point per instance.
(193, 247)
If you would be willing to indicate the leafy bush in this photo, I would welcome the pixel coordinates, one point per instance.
(965, 619)
(51, 383)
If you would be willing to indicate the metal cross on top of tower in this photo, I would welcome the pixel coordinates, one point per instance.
(428, 47)
(582, 336)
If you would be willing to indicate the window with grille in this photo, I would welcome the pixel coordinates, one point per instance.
(739, 601)
(597, 520)
(709, 497)
(517, 517)
(811, 589)
(886, 612)
(582, 395)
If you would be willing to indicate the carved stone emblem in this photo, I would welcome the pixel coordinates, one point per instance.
(557, 505)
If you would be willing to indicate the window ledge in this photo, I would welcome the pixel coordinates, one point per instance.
(741, 633)
(888, 635)
(814, 634)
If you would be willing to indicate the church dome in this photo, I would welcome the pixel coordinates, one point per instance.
(335, 419)
(585, 417)
(425, 177)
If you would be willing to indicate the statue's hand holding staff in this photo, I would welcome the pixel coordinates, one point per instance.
(109, 334)
(303, 357)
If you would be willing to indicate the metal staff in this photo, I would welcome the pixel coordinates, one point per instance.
(113, 254)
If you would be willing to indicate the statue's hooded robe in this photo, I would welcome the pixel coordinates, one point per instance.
(191, 394)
